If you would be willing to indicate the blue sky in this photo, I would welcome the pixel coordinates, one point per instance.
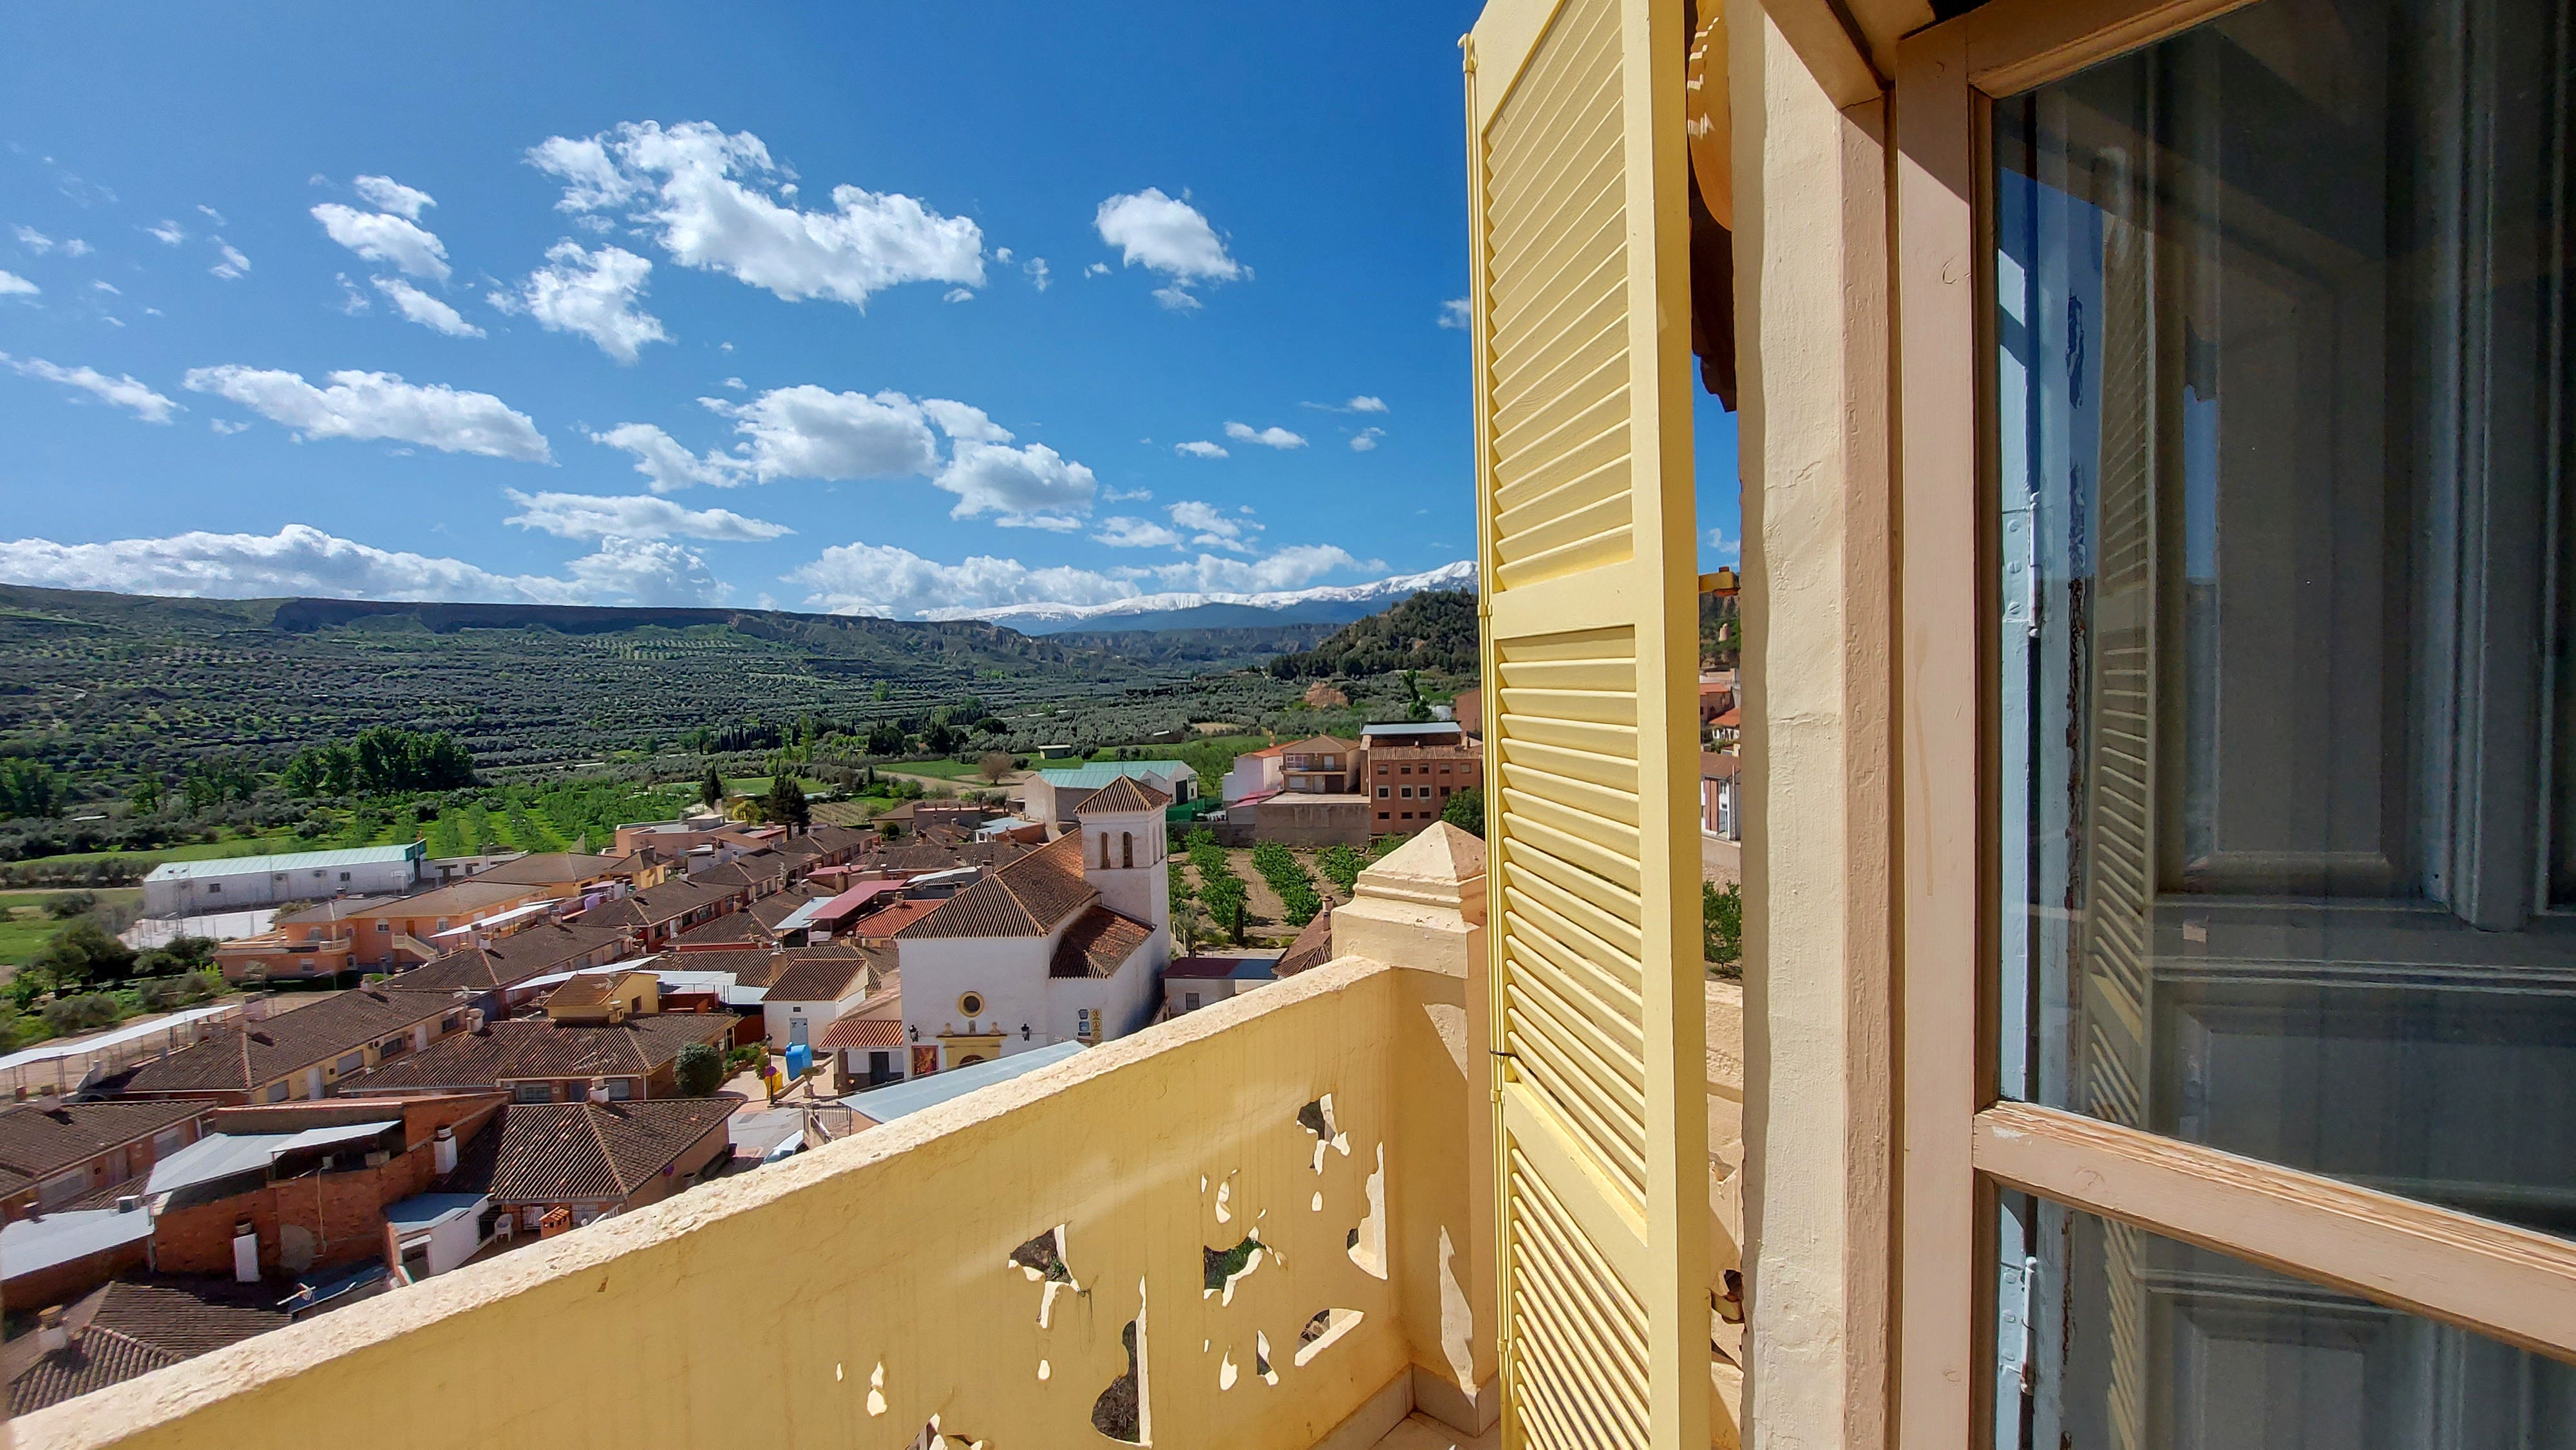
(659, 304)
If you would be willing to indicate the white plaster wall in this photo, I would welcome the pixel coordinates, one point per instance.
(1011, 973)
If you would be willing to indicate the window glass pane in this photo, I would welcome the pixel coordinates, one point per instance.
(2125, 1341)
(2282, 426)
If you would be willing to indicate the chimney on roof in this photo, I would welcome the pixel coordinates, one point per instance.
(443, 1150)
(245, 1252)
(599, 1091)
(50, 1333)
(474, 1019)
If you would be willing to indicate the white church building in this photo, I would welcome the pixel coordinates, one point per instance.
(1065, 944)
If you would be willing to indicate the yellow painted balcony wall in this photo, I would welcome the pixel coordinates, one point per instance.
(978, 1264)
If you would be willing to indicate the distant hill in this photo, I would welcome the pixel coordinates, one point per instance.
(1325, 604)
(117, 684)
(1214, 646)
(1433, 630)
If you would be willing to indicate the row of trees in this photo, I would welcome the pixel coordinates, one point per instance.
(381, 760)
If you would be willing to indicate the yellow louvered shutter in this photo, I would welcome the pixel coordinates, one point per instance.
(1589, 592)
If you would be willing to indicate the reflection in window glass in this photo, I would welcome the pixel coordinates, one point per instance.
(2286, 717)
(2125, 1341)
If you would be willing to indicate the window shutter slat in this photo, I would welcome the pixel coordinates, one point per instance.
(1581, 314)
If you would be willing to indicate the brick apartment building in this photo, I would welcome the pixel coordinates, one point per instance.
(1411, 771)
(312, 1180)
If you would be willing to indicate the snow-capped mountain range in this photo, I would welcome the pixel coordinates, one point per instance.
(1333, 603)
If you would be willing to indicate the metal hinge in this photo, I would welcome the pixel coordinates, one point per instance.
(2017, 1340)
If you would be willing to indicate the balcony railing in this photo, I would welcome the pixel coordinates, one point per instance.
(1257, 1225)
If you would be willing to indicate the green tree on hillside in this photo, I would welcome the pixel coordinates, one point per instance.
(1433, 630)
(381, 759)
(785, 803)
(711, 791)
(1416, 708)
(29, 788)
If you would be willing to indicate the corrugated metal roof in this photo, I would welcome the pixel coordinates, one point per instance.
(429, 1210)
(58, 1238)
(220, 1155)
(885, 1104)
(1101, 773)
(293, 861)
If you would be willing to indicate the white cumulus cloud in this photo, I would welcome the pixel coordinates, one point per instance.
(1169, 236)
(388, 195)
(667, 465)
(33, 240)
(1726, 550)
(893, 582)
(1127, 533)
(1201, 448)
(13, 285)
(1366, 439)
(807, 431)
(1457, 313)
(720, 203)
(1213, 529)
(123, 390)
(234, 265)
(591, 293)
(302, 560)
(1031, 485)
(366, 405)
(168, 233)
(393, 240)
(1270, 437)
(418, 306)
(640, 516)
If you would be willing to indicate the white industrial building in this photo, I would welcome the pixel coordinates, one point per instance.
(191, 888)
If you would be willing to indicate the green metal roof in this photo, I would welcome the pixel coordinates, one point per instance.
(292, 862)
(1101, 773)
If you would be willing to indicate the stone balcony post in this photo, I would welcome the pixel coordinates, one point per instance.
(1422, 910)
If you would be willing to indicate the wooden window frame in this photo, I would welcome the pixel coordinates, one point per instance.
(1959, 1142)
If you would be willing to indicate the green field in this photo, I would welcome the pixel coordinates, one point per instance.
(24, 927)
(957, 770)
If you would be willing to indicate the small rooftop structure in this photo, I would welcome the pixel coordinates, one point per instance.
(221, 1155)
(1428, 732)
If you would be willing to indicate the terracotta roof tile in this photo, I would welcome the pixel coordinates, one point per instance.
(585, 1152)
(826, 978)
(286, 1042)
(141, 1325)
(1029, 897)
(536, 1047)
(1126, 793)
(529, 952)
(36, 1141)
(1312, 948)
(657, 904)
(560, 868)
(1097, 944)
(863, 1032)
